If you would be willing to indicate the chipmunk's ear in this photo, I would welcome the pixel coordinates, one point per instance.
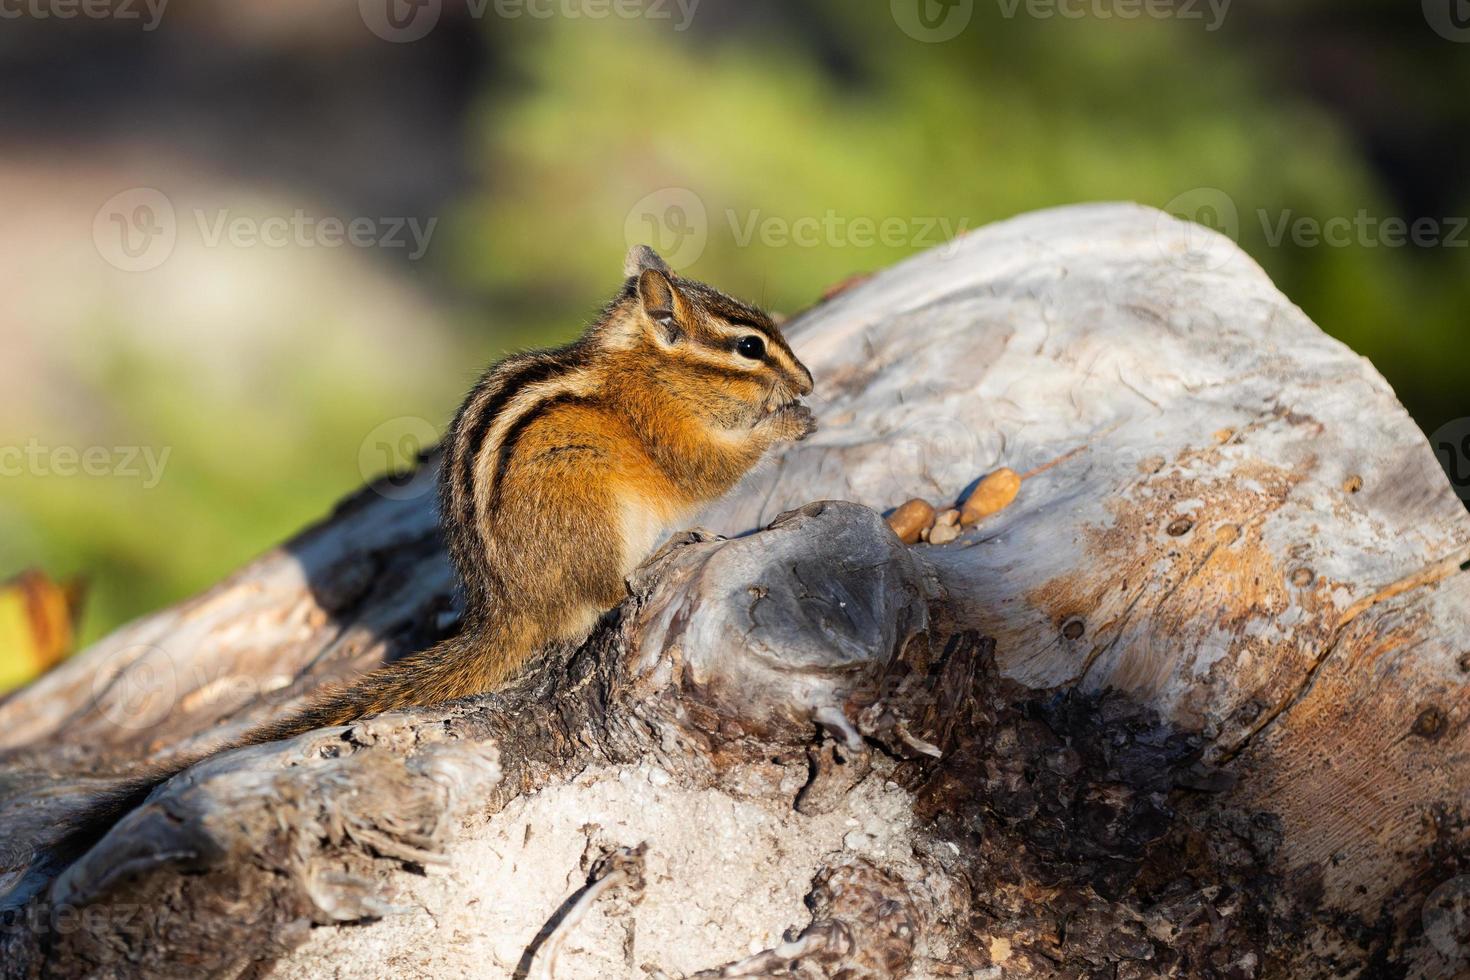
(641, 258)
(663, 303)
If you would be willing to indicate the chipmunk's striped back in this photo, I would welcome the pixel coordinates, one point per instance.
(657, 379)
(468, 469)
(561, 471)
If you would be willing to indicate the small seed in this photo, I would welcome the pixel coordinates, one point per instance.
(1353, 483)
(993, 494)
(1224, 435)
(949, 517)
(1303, 577)
(911, 520)
(943, 533)
(1180, 527)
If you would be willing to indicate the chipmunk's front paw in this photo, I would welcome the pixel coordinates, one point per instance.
(795, 422)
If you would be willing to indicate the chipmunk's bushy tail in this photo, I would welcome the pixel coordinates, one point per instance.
(453, 668)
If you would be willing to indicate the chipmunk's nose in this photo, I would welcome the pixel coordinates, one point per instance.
(804, 383)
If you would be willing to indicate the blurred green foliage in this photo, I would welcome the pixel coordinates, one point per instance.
(594, 116)
(217, 446)
(1012, 115)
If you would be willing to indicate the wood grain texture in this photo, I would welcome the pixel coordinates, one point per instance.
(1246, 566)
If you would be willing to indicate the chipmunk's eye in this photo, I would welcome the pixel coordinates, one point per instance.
(752, 347)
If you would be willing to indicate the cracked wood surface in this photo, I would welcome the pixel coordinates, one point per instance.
(1245, 533)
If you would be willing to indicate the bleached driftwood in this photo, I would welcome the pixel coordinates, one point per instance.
(1193, 705)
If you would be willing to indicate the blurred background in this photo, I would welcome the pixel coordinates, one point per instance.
(253, 253)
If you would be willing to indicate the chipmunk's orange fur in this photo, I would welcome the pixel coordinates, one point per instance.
(562, 471)
(565, 468)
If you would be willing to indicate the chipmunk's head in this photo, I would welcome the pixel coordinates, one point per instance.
(733, 348)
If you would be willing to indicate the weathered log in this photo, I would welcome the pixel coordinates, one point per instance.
(1192, 705)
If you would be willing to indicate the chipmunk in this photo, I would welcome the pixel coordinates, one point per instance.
(561, 472)
(565, 468)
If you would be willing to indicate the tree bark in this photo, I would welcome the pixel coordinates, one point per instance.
(1193, 705)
